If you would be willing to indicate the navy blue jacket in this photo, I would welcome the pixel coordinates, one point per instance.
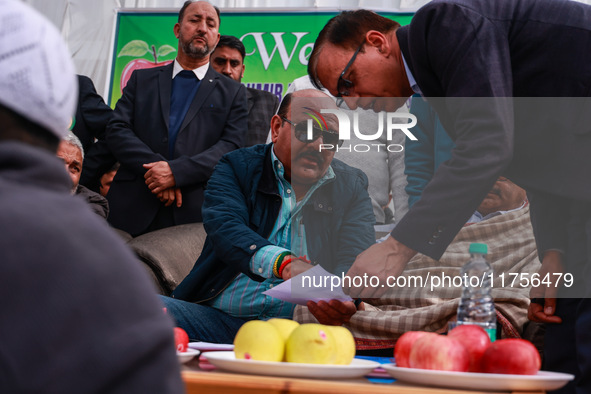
(241, 206)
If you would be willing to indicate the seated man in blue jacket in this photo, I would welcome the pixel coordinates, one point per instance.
(268, 210)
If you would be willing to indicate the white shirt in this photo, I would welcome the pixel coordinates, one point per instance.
(199, 71)
(477, 216)
(411, 79)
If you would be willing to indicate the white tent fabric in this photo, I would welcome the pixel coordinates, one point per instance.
(87, 25)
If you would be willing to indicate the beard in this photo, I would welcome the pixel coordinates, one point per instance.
(192, 51)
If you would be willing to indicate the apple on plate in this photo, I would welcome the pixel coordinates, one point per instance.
(181, 339)
(404, 345)
(138, 48)
(511, 356)
(439, 352)
(475, 339)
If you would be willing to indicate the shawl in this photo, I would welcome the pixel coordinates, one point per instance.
(511, 253)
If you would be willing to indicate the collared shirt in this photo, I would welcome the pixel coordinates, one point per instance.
(199, 71)
(477, 216)
(244, 297)
(411, 79)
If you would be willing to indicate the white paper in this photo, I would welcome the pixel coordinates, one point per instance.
(208, 346)
(315, 284)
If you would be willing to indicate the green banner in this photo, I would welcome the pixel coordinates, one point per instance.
(278, 44)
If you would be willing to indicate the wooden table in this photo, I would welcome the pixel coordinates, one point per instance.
(215, 382)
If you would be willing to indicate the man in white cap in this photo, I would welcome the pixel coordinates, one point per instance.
(78, 315)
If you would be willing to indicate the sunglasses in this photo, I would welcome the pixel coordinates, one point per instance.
(343, 85)
(330, 137)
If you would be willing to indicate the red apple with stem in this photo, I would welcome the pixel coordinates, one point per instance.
(139, 48)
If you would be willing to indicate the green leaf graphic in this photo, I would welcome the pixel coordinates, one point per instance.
(134, 48)
(165, 50)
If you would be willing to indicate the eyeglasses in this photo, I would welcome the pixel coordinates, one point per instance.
(343, 85)
(330, 137)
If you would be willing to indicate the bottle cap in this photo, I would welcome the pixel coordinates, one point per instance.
(478, 248)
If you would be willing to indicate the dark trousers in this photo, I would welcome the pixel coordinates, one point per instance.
(567, 346)
(163, 219)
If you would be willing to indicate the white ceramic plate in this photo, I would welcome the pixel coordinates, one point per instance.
(479, 381)
(227, 361)
(185, 357)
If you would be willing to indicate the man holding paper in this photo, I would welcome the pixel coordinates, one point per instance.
(270, 211)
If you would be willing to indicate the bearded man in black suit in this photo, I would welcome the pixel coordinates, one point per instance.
(170, 128)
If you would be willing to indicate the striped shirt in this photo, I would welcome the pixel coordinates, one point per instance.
(244, 297)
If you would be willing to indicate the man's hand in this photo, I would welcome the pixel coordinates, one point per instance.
(294, 268)
(169, 196)
(159, 176)
(333, 312)
(381, 260)
(551, 263)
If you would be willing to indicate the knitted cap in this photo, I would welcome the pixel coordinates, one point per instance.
(37, 77)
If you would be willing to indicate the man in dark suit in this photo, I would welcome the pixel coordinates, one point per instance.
(170, 128)
(228, 59)
(479, 48)
(90, 126)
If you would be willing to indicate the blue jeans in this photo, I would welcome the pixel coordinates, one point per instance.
(202, 322)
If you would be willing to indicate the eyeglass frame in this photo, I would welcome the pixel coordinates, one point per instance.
(343, 81)
(323, 132)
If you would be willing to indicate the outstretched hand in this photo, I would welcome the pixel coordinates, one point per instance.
(333, 312)
(382, 260)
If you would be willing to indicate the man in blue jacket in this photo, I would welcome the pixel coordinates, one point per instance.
(267, 210)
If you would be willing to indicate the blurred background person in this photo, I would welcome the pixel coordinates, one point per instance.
(228, 59)
(70, 150)
(79, 314)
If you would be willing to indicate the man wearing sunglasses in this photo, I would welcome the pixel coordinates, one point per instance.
(497, 55)
(270, 211)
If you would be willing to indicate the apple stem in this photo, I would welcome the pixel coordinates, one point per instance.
(154, 54)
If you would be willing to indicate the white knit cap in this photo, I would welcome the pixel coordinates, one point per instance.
(37, 77)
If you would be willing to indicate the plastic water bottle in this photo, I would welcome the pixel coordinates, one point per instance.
(477, 305)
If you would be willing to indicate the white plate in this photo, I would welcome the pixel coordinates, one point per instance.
(227, 361)
(185, 357)
(479, 381)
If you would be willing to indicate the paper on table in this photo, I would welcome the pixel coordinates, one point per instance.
(314, 284)
(208, 346)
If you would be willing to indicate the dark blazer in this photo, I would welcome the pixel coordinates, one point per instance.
(241, 206)
(138, 134)
(262, 106)
(509, 48)
(92, 118)
(92, 114)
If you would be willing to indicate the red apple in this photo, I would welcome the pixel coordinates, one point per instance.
(511, 356)
(404, 345)
(475, 339)
(138, 64)
(181, 339)
(438, 352)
